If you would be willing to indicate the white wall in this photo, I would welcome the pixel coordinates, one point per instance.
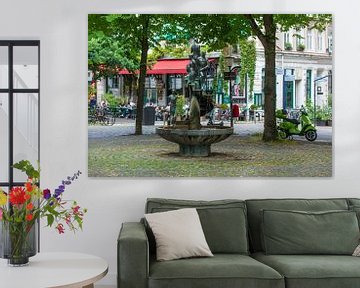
(62, 28)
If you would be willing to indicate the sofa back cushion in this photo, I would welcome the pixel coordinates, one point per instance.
(223, 222)
(298, 232)
(353, 201)
(255, 206)
(354, 205)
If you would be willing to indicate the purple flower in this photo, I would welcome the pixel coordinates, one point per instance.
(57, 193)
(68, 181)
(46, 194)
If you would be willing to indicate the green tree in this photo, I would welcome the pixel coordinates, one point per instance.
(168, 50)
(140, 32)
(265, 27)
(248, 63)
(107, 54)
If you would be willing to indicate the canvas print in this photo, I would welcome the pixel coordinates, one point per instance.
(210, 95)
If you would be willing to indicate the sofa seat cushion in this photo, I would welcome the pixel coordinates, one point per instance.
(222, 270)
(314, 271)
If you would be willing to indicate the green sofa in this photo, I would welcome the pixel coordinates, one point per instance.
(260, 243)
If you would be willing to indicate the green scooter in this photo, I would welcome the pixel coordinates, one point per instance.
(288, 127)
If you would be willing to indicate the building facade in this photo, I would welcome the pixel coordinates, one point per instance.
(303, 69)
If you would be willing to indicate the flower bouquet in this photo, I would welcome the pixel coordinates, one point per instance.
(21, 208)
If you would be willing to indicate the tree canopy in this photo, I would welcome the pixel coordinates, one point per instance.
(124, 40)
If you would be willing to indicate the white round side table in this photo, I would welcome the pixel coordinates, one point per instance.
(54, 270)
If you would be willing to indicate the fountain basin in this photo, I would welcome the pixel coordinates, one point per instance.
(195, 142)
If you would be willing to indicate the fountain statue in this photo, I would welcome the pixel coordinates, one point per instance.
(193, 138)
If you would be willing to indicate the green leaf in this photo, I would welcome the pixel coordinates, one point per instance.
(26, 167)
(50, 219)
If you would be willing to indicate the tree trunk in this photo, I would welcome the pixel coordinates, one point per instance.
(268, 40)
(143, 61)
(106, 84)
(270, 132)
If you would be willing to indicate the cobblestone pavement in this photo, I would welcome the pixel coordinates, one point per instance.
(127, 127)
(152, 156)
(149, 155)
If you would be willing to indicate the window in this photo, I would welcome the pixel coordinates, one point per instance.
(19, 108)
(150, 90)
(113, 82)
(330, 43)
(288, 96)
(330, 86)
(259, 99)
(309, 40)
(175, 82)
(308, 85)
(319, 41)
(287, 42)
(299, 41)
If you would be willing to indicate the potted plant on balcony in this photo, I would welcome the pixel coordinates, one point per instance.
(288, 46)
(300, 47)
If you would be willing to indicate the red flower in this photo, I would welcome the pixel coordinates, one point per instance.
(27, 196)
(29, 217)
(17, 196)
(29, 187)
(68, 219)
(29, 206)
(75, 209)
(60, 228)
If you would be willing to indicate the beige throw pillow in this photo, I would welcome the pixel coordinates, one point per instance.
(178, 234)
(357, 251)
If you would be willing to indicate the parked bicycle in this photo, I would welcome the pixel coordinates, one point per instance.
(102, 116)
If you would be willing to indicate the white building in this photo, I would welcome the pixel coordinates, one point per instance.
(303, 68)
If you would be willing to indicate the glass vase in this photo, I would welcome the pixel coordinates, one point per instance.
(18, 242)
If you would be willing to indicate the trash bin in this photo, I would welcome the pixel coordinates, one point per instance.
(149, 115)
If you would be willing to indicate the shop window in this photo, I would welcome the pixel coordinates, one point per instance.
(174, 83)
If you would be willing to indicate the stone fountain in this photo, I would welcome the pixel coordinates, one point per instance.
(193, 138)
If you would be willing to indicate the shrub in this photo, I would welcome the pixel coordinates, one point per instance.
(180, 102)
(300, 47)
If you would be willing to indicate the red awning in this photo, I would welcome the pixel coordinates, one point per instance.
(165, 66)
(169, 66)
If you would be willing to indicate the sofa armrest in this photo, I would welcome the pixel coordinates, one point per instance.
(133, 256)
